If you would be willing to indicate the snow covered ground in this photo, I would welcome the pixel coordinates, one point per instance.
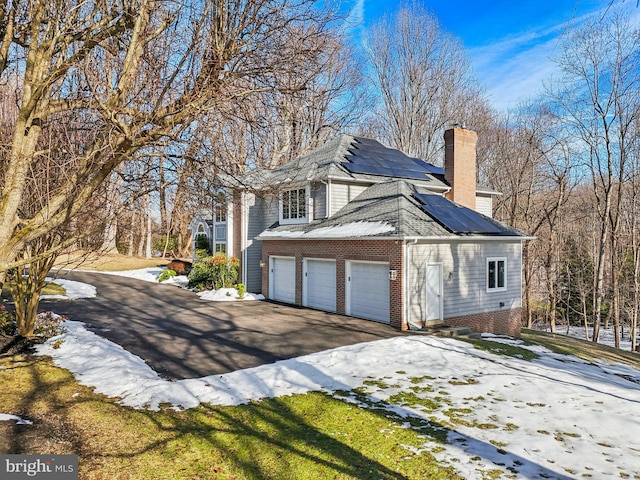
(74, 290)
(145, 274)
(19, 421)
(151, 275)
(553, 417)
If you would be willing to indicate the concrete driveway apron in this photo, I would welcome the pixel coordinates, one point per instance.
(181, 336)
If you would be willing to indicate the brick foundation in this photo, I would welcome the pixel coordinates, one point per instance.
(501, 322)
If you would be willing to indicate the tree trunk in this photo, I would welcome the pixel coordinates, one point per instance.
(615, 306)
(141, 239)
(527, 284)
(131, 230)
(553, 301)
(25, 289)
(586, 320)
(109, 244)
(162, 189)
(148, 240)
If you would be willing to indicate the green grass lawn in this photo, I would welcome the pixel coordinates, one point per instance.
(49, 289)
(310, 436)
(111, 262)
(588, 351)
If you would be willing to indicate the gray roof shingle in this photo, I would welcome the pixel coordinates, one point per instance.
(391, 203)
(325, 162)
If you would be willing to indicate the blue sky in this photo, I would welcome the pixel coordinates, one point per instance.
(509, 41)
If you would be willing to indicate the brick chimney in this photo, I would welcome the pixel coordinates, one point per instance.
(460, 165)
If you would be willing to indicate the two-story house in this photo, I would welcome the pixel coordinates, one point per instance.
(360, 229)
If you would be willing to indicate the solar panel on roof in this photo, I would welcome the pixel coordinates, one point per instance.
(456, 218)
(370, 157)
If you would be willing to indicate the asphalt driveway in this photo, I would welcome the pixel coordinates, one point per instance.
(181, 336)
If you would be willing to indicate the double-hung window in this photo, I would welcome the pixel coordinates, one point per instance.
(294, 206)
(496, 274)
(220, 231)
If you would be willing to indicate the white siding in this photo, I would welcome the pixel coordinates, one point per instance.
(343, 193)
(464, 277)
(484, 205)
(319, 200)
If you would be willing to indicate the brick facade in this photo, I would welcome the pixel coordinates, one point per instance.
(342, 250)
(504, 322)
(460, 165)
(501, 322)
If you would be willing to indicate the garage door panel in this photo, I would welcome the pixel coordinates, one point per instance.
(368, 294)
(282, 279)
(320, 284)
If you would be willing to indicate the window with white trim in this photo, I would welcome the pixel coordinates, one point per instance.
(496, 274)
(293, 205)
(221, 213)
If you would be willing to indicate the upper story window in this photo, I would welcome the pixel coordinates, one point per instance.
(496, 274)
(294, 206)
(221, 213)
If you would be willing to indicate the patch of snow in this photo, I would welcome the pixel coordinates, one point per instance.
(74, 290)
(179, 280)
(145, 274)
(227, 295)
(4, 417)
(554, 417)
(354, 229)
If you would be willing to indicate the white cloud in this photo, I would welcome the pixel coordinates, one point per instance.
(355, 18)
(515, 68)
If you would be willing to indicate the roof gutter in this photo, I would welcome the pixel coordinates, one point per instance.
(472, 238)
(303, 237)
(439, 188)
(482, 238)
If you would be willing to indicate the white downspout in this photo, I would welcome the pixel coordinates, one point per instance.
(405, 247)
(243, 235)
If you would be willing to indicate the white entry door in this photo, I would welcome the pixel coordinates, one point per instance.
(282, 279)
(433, 290)
(319, 284)
(367, 290)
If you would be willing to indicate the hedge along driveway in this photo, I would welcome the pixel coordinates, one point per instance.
(181, 336)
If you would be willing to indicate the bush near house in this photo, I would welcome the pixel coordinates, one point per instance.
(7, 321)
(165, 275)
(214, 272)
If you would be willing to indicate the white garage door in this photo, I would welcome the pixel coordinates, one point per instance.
(367, 286)
(319, 284)
(282, 279)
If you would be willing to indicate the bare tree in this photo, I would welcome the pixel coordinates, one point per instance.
(597, 101)
(530, 166)
(423, 79)
(108, 62)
